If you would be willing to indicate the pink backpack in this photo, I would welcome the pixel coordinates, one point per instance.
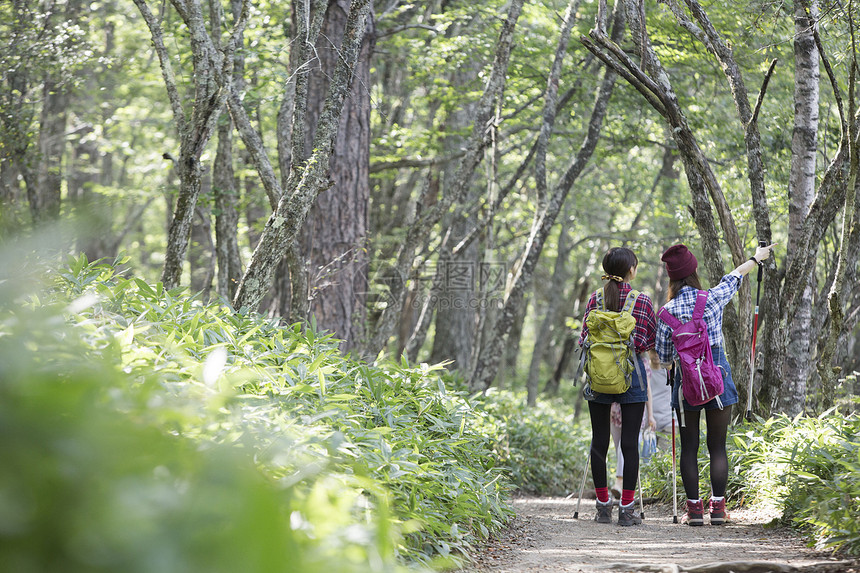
(701, 379)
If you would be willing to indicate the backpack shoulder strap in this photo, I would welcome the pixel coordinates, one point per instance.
(581, 367)
(601, 305)
(701, 300)
(668, 318)
(632, 296)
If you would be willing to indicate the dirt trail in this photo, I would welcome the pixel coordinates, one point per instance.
(544, 537)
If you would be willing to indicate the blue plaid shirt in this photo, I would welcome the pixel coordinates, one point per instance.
(681, 307)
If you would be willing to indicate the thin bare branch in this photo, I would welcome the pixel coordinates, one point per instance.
(763, 90)
(627, 69)
(238, 29)
(403, 28)
(157, 33)
(837, 91)
(254, 144)
(686, 23)
(380, 166)
(550, 100)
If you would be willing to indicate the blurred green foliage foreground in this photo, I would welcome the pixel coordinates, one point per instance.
(142, 431)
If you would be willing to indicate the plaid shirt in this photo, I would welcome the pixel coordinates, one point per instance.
(681, 307)
(643, 311)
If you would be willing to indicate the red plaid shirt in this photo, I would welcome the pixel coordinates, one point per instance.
(645, 333)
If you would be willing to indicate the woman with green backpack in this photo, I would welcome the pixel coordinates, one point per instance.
(687, 309)
(618, 328)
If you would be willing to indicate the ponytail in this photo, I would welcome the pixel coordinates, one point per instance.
(612, 295)
(617, 262)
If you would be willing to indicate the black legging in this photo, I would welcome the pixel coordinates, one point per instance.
(631, 419)
(717, 422)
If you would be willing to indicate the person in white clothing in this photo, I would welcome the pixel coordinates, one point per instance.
(657, 417)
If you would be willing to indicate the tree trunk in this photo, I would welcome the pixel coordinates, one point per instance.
(580, 298)
(457, 295)
(511, 357)
(45, 198)
(226, 214)
(456, 313)
(489, 358)
(201, 250)
(829, 197)
(15, 119)
(545, 332)
(290, 295)
(427, 218)
(310, 178)
(224, 183)
(92, 164)
(95, 236)
(335, 232)
(212, 85)
(801, 190)
(455, 303)
(415, 339)
(851, 297)
(821, 322)
(9, 188)
(189, 171)
(827, 371)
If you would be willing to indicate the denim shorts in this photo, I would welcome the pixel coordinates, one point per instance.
(634, 394)
(727, 398)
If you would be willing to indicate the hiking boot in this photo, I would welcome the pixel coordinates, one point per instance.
(604, 512)
(695, 513)
(717, 509)
(627, 515)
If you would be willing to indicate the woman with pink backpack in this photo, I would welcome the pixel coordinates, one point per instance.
(690, 334)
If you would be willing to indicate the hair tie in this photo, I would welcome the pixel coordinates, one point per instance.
(612, 278)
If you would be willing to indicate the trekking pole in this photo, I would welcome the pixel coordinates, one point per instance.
(754, 333)
(674, 476)
(641, 502)
(582, 484)
(674, 464)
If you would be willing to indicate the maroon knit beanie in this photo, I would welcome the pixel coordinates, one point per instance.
(680, 262)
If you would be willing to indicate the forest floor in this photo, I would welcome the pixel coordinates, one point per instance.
(544, 537)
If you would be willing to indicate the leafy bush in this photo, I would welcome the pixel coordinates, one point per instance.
(806, 467)
(151, 432)
(810, 469)
(543, 447)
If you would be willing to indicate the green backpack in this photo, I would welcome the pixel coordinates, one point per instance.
(608, 355)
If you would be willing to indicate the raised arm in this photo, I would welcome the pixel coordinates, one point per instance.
(761, 253)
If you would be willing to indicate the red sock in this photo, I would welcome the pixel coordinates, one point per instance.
(602, 494)
(627, 496)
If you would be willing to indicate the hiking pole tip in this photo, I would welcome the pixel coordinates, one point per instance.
(582, 485)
